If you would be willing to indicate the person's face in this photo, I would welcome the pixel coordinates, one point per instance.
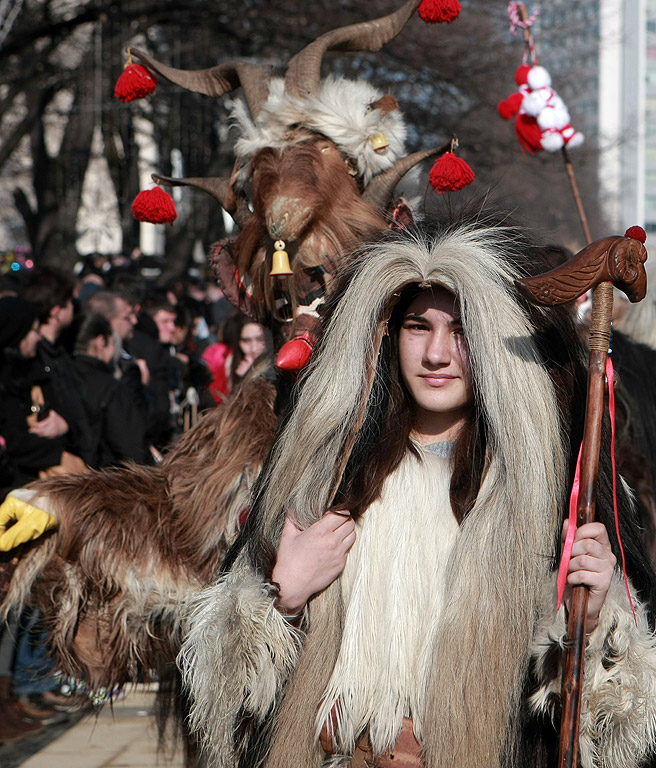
(180, 335)
(125, 320)
(165, 322)
(251, 341)
(27, 345)
(434, 362)
(65, 314)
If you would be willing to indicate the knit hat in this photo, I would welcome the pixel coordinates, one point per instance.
(16, 319)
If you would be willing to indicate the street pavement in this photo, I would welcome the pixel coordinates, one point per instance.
(121, 736)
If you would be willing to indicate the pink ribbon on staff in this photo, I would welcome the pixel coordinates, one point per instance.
(574, 500)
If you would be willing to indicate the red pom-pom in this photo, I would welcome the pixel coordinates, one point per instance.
(521, 74)
(135, 82)
(528, 133)
(637, 233)
(510, 107)
(438, 11)
(450, 173)
(154, 206)
(295, 354)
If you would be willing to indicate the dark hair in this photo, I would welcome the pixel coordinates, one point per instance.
(92, 326)
(48, 288)
(128, 287)
(156, 301)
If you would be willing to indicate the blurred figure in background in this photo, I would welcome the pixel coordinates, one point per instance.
(116, 421)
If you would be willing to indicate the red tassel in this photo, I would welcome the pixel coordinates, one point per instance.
(509, 107)
(450, 173)
(438, 11)
(154, 206)
(528, 133)
(135, 82)
(295, 354)
(637, 233)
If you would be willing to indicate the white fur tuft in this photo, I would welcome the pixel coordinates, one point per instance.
(340, 110)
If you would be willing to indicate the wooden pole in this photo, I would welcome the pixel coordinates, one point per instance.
(527, 33)
(577, 196)
(600, 324)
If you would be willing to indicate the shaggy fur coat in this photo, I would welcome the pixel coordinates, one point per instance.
(454, 624)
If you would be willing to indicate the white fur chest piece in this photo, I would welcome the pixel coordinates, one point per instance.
(393, 587)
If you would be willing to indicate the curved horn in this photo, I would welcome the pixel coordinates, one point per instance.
(220, 189)
(380, 188)
(304, 70)
(216, 81)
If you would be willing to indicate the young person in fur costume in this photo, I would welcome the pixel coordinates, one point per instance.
(438, 424)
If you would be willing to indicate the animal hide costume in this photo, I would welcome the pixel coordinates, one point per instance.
(446, 609)
(133, 542)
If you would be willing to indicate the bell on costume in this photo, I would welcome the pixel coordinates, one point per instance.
(280, 262)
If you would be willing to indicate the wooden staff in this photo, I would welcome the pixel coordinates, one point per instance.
(613, 260)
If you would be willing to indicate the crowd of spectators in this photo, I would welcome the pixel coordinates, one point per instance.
(97, 369)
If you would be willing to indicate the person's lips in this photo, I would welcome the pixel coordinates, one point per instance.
(437, 379)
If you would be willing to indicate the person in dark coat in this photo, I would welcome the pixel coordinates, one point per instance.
(116, 422)
(33, 429)
(51, 291)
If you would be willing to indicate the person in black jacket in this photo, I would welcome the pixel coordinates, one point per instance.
(33, 428)
(51, 291)
(116, 423)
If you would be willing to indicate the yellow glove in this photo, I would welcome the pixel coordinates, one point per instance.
(21, 522)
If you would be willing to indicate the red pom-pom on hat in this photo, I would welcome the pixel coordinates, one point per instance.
(135, 82)
(439, 11)
(637, 233)
(450, 173)
(154, 206)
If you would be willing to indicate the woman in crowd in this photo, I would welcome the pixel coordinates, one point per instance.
(244, 342)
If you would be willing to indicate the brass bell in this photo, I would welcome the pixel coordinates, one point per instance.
(280, 262)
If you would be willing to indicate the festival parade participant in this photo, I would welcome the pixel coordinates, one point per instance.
(391, 599)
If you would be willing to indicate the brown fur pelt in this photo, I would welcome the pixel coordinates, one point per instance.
(133, 542)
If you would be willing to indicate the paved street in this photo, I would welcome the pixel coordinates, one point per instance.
(120, 737)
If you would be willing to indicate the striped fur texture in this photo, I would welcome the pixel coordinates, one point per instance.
(487, 585)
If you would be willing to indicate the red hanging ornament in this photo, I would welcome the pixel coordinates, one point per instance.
(135, 82)
(637, 233)
(450, 173)
(438, 11)
(528, 133)
(154, 206)
(509, 107)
